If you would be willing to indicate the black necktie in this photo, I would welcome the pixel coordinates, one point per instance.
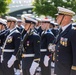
(60, 30)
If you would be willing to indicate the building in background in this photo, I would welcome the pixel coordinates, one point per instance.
(19, 7)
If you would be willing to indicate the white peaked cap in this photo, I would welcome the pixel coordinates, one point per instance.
(65, 11)
(30, 19)
(45, 20)
(11, 18)
(2, 21)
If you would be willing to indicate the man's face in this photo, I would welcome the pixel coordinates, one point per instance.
(51, 26)
(19, 23)
(27, 25)
(43, 25)
(2, 27)
(59, 18)
(11, 25)
(32, 26)
(63, 19)
(38, 24)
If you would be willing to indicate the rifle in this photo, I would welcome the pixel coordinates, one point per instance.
(21, 47)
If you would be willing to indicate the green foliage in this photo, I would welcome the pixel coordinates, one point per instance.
(4, 6)
(49, 7)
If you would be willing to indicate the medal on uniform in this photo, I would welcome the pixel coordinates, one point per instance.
(61, 40)
(9, 39)
(63, 43)
(27, 43)
(66, 41)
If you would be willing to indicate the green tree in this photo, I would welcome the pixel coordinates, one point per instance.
(49, 7)
(4, 6)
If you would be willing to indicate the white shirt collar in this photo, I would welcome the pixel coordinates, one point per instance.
(13, 29)
(63, 28)
(37, 27)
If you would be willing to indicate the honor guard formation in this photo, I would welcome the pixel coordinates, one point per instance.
(34, 45)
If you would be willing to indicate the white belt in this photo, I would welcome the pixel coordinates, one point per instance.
(43, 50)
(28, 55)
(8, 50)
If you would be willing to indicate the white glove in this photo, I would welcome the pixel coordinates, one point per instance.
(11, 61)
(51, 47)
(33, 68)
(46, 60)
